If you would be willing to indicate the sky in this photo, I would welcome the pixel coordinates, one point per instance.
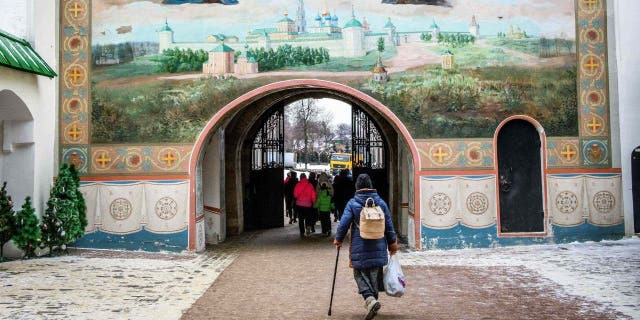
(194, 22)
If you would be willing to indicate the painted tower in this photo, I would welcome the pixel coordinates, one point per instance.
(165, 37)
(220, 61)
(246, 63)
(435, 31)
(301, 21)
(353, 37)
(390, 29)
(474, 27)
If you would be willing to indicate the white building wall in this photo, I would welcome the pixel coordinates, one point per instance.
(36, 160)
(624, 81)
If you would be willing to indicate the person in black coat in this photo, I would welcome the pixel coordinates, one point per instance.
(342, 191)
(289, 185)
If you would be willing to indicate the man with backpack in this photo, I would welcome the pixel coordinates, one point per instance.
(367, 253)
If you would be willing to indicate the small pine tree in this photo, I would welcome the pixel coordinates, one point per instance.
(27, 235)
(52, 235)
(61, 222)
(82, 206)
(7, 218)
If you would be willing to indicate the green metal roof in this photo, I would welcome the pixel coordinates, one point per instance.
(18, 54)
(222, 48)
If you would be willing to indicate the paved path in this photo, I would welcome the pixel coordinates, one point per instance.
(278, 275)
(275, 274)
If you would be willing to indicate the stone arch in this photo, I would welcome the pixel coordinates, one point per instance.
(290, 90)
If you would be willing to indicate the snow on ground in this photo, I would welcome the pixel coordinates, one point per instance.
(607, 272)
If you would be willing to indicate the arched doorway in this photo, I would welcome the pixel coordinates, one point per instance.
(233, 129)
(17, 166)
(520, 177)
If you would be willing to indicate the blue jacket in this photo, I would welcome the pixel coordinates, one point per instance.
(365, 253)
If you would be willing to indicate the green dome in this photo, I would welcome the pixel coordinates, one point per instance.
(389, 25)
(286, 19)
(166, 27)
(353, 23)
(222, 48)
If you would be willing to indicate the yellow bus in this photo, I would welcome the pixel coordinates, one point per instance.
(340, 161)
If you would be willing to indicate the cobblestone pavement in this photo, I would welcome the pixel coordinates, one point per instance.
(100, 284)
(275, 274)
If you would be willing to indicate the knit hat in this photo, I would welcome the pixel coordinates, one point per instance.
(364, 182)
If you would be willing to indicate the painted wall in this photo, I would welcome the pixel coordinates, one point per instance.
(144, 121)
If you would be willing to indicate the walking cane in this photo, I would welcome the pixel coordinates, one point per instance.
(335, 270)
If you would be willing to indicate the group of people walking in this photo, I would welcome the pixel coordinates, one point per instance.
(308, 199)
(314, 198)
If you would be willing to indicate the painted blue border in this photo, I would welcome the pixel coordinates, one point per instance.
(463, 237)
(142, 240)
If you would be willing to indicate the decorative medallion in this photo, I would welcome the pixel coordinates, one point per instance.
(595, 152)
(440, 203)
(566, 202)
(166, 208)
(604, 201)
(76, 156)
(120, 209)
(477, 203)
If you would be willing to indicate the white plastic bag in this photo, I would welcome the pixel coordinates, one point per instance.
(394, 283)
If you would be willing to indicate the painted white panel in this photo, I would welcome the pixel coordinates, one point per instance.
(90, 195)
(567, 200)
(166, 206)
(477, 201)
(603, 194)
(122, 207)
(439, 202)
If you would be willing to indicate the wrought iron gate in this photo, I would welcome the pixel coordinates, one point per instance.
(368, 151)
(267, 171)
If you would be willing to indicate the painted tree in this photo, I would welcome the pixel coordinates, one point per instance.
(7, 218)
(27, 236)
(380, 46)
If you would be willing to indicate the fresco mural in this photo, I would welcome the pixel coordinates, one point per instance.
(447, 69)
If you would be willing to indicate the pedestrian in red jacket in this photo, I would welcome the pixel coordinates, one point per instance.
(305, 195)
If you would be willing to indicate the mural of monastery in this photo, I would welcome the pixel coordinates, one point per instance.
(442, 79)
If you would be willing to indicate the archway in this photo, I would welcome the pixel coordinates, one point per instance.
(520, 171)
(17, 165)
(228, 132)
